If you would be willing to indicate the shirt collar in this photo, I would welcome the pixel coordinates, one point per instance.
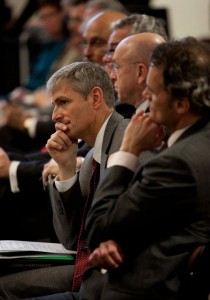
(99, 141)
(174, 137)
(143, 106)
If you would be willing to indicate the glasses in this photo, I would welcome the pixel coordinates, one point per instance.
(115, 67)
(109, 52)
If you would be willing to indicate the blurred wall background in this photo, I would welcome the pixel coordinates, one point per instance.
(185, 17)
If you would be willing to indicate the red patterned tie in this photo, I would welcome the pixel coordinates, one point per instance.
(82, 264)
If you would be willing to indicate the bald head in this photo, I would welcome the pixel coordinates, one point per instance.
(132, 60)
(96, 33)
(139, 46)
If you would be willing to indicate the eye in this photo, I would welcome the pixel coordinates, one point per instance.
(97, 43)
(62, 102)
(115, 67)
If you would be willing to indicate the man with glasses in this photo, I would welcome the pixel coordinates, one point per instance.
(96, 33)
(133, 24)
(130, 66)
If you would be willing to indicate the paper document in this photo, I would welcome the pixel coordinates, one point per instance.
(18, 246)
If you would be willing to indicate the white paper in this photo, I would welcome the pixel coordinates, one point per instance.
(17, 246)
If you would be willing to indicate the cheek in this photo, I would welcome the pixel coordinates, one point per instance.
(99, 53)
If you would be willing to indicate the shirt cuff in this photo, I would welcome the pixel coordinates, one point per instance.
(13, 176)
(123, 159)
(63, 186)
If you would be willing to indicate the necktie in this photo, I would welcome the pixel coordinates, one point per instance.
(81, 264)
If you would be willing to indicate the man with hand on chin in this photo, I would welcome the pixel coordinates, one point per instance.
(145, 223)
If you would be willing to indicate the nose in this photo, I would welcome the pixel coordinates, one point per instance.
(56, 114)
(106, 58)
(113, 75)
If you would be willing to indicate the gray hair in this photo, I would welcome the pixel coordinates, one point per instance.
(142, 23)
(83, 77)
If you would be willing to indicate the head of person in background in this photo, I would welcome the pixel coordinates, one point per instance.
(94, 6)
(130, 67)
(96, 33)
(51, 17)
(75, 10)
(132, 24)
(178, 83)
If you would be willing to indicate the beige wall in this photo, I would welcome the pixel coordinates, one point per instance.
(187, 17)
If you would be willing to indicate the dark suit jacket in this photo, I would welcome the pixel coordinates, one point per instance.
(20, 142)
(158, 216)
(68, 206)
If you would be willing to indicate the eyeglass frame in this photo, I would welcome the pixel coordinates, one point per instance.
(115, 67)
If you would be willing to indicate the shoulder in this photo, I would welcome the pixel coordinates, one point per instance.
(117, 121)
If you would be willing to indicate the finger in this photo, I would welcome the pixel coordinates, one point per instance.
(138, 114)
(59, 141)
(60, 126)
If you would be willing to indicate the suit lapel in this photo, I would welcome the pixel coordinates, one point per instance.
(108, 135)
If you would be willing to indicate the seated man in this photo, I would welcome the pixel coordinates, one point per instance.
(83, 100)
(164, 206)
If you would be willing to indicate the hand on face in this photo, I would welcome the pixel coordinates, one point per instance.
(63, 150)
(142, 134)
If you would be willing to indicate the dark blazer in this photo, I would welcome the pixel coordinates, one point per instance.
(68, 206)
(158, 216)
(17, 141)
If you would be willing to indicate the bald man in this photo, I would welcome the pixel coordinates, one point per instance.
(130, 66)
(132, 24)
(96, 33)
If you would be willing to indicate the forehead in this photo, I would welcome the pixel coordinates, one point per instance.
(96, 29)
(122, 52)
(62, 88)
(155, 77)
(76, 11)
(118, 35)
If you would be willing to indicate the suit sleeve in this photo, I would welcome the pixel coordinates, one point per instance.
(158, 196)
(67, 213)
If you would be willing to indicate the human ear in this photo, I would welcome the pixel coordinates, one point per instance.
(142, 72)
(96, 97)
(182, 105)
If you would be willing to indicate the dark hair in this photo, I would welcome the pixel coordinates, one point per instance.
(76, 2)
(186, 71)
(55, 3)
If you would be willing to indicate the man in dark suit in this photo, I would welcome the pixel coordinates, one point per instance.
(83, 100)
(145, 222)
(100, 127)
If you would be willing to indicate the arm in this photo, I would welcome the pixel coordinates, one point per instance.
(67, 204)
(124, 203)
(151, 201)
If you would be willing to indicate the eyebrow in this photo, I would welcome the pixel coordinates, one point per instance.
(113, 45)
(60, 98)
